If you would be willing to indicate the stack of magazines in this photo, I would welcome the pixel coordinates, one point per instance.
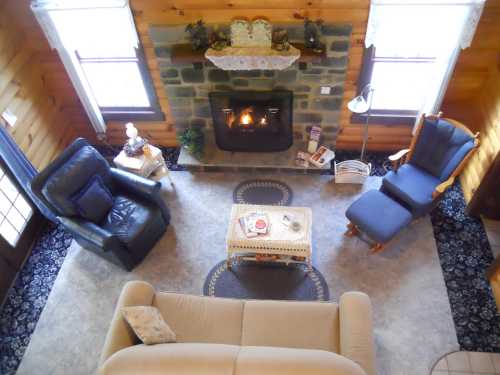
(254, 224)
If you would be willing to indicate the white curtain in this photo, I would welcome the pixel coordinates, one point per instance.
(91, 28)
(425, 28)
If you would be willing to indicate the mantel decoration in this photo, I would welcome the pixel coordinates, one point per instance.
(252, 48)
(198, 35)
(312, 34)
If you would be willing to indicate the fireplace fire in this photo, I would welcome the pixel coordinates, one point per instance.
(249, 119)
(252, 120)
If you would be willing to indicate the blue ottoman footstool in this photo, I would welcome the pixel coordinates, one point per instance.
(377, 215)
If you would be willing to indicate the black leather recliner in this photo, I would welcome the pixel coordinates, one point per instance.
(138, 217)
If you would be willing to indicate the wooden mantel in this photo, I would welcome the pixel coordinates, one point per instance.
(184, 54)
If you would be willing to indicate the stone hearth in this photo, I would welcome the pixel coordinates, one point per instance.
(216, 159)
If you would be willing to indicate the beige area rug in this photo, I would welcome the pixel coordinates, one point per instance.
(413, 323)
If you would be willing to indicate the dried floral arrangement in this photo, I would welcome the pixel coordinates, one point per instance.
(198, 35)
(312, 34)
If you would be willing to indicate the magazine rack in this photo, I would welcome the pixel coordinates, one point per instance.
(351, 172)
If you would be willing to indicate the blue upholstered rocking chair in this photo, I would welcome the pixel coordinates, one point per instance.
(438, 153)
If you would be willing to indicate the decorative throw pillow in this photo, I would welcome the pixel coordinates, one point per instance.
(94, 200)
(148, 324)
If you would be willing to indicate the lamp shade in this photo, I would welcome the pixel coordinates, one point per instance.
(358, 105)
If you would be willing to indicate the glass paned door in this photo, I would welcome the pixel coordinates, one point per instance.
(20, 223)
(15, 211)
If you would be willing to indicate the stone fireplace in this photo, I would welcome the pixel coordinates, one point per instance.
(252, 121)
(188, 88)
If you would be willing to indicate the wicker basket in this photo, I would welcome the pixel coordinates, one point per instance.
(351, 172)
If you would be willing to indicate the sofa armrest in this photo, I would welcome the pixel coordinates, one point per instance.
(356, 330)
(89, 231)
(143, 187)
(120, 335)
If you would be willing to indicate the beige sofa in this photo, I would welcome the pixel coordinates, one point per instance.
(236, 337)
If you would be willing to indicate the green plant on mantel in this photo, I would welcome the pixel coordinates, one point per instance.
(193, 140)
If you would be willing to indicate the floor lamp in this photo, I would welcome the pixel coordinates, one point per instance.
(361, 105)
(356, 171)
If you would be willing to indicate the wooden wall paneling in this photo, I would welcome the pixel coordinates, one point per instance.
(471, 72)
(488, 107)
(181, 5)
(42, 129)
(476, 62)
(68, 137)
(45, 133)
(37, 127)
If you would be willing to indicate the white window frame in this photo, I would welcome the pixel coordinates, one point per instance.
(69, 59)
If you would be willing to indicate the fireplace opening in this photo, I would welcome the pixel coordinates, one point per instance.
(252, 121)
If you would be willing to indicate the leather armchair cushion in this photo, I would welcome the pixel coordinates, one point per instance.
(440, 148)
(411, 185)
(72, 176)
(94, 201)
(130, 218)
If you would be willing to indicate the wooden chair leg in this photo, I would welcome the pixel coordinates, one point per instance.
(352, 230)
(376, 248)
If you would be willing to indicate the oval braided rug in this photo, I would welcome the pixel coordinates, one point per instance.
(250, 280)
(268, 192)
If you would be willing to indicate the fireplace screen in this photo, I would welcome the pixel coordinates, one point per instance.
(252, 120)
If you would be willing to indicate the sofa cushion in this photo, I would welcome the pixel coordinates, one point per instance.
(286, 361)
(411, 185)
(94, 200)
(377, 215)
(172, 359)
(202, 319)
(310, 325)
(72, 176)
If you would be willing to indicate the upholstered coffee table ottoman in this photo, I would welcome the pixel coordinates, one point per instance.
(377, 215)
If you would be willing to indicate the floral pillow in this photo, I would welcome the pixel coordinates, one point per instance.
(148, 324)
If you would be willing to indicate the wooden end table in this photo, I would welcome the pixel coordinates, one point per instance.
(142, 165)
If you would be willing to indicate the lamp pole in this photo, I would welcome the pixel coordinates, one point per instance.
(369, 96)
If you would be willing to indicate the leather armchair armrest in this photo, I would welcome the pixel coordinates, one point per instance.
(143, 187)
(356, 330)
(89, 231)
(120, 335)
(135, 184)
(442, 187)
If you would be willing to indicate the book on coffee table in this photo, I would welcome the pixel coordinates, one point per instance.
(254, 224)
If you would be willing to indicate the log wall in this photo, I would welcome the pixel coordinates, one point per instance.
(472, 69)
(42, 129)
(487, 107)
(473, 95)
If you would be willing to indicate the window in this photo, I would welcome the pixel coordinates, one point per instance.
(399, 83)
(413, 47)
(15, 211)
(99, 47)
(121, 86)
